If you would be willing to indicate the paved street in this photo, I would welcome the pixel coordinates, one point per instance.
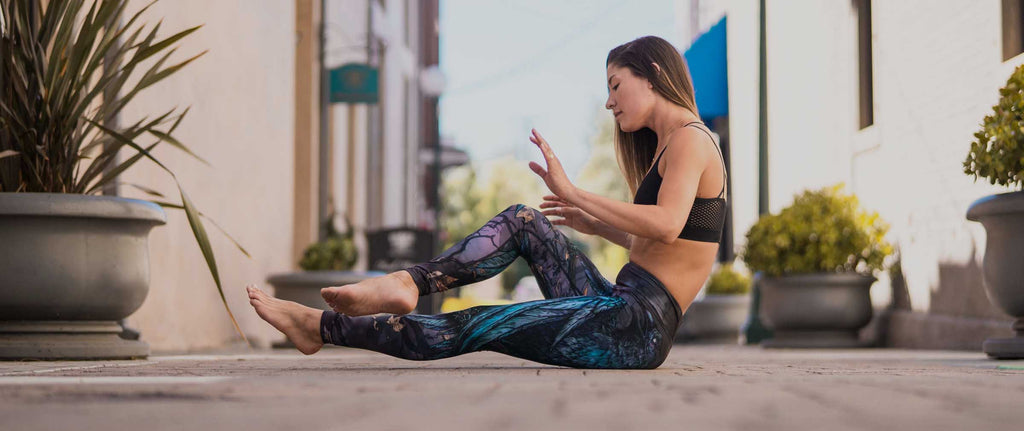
(699, 387)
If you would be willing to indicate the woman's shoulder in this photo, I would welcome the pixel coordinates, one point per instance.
(687, 146)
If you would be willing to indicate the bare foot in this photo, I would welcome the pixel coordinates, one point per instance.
(395, 293)
(299, 323)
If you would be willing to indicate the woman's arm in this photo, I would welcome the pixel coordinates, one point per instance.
(664, 221)
(614, 235)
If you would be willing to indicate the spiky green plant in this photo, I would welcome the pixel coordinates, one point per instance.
(63, 75)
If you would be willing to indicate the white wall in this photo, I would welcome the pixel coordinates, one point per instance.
(242, 98)
(937, 74)
(937, 71)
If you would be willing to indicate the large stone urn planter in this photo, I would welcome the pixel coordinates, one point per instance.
(822, 310)
(1003, 265)
(304, 287)
(71, 266)
(714, 319)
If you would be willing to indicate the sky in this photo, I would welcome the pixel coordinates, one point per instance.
(514, 65)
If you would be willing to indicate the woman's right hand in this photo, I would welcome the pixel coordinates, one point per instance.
(571, 215)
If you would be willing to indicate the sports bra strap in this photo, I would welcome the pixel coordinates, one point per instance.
(719, 153)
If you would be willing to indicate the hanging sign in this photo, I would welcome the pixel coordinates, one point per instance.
(353, 83)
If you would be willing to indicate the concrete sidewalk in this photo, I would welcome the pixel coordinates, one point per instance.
(698, 387)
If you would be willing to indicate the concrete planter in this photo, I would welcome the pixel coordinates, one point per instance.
(823, 310)
(304, 287)
(1003, 265)
(71, 266)
(714, 319)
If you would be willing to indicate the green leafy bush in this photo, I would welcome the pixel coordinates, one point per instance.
(998, 151)
(335, 253)
(727, 281)
(821, 231)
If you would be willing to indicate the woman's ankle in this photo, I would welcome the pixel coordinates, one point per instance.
(418, 278)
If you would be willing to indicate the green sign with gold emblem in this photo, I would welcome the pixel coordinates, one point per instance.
(354, 83)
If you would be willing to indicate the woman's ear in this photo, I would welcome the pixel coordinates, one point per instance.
(658, 70)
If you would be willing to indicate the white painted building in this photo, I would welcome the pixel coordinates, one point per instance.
(935, 70)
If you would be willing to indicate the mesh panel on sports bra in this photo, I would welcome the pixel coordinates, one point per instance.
(706, 214)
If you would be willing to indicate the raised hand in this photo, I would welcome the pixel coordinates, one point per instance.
(554, 176)
(571, 216)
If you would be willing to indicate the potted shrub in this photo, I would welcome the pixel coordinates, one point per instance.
(73, 263)
(997, 154)
(718, 316)
(817, 258)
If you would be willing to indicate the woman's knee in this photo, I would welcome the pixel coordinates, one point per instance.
(525, 212)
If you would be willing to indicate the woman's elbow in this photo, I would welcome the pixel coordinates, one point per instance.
(669, 236)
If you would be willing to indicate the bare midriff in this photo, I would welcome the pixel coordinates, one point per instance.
(681, 266)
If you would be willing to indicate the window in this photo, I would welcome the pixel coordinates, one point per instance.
(867, 104)
(1013, 22)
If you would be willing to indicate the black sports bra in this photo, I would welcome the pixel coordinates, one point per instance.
(707, 217)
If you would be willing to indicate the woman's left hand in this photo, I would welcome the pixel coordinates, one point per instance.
(554, 176)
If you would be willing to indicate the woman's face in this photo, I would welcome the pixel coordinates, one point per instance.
(630, 98)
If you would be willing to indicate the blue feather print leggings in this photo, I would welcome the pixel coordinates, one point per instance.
(584, 322)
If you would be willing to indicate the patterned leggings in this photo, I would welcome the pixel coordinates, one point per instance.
(584, 322)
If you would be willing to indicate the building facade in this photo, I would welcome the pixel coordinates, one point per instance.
(884, 96)
(281, 158)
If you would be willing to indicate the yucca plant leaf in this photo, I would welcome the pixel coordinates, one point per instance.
(159, 76)
(144, 189)
(101, 140)
(204, 245)
(176, 206)
(115, 107)
(109, 153)
(170, 140)
(98, 167)
(58, 50)
(159, 46)
(193, 220)
(114, 173)
(130, 133)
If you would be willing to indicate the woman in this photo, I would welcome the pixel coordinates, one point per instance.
(672, 229)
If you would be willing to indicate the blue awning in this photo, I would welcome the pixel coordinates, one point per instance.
(706, 60)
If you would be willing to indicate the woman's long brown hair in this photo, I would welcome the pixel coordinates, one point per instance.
(635, 150)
